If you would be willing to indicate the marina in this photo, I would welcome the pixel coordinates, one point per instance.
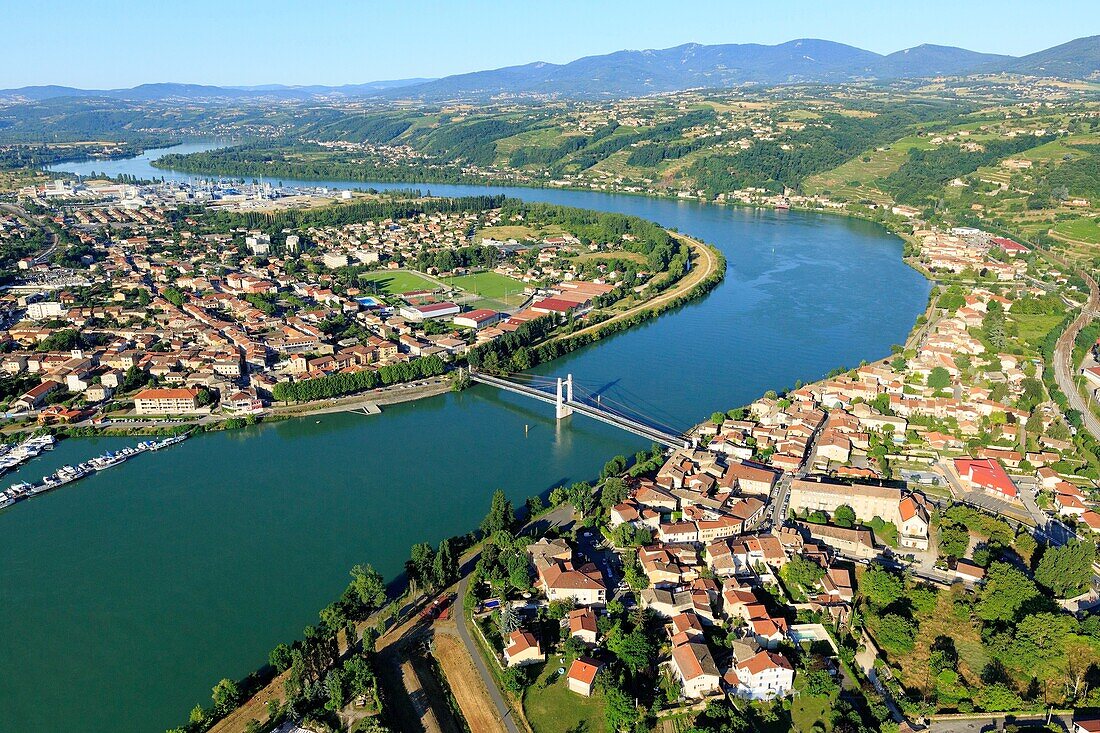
(69, 473)
(11, 457)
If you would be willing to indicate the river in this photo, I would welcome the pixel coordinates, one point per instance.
(128, 595)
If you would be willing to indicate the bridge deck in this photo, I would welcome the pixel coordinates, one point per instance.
(671, 440)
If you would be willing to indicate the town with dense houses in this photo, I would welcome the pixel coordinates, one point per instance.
(903, 544)
(162, 318)
(731, 569)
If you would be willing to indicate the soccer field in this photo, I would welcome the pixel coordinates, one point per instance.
(392, 282)
(490, 285)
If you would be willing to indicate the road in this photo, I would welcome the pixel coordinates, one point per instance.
(1064, 368)
(996, 721)
(479, 661)
(707, 263)
(21, 213)
(865, 658)
(559, 516)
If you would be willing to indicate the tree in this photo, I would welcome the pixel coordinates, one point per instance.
(1026, 544)
(582, 498)
(620, 714)
(939, 378)
(613, 467)
(881, 587)
(369, 587)
(559, 495)
(802, 572)
(514, 679)
(844, 516)
(419, 565)
(509, 621)
(1039, 637)
(226, 695)
(896, 634)
(1005, 593)
(943, 655)
(997, 698)
(501, 515)
(954, 539)
(1067, 570)
(279, 658)
(614, 491)
(1032, 393)
(444, 565)
(633, 650)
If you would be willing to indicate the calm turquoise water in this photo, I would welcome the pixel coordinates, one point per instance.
(128, 595)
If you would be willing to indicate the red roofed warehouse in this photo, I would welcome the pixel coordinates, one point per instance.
(479, 318)
(988, 475)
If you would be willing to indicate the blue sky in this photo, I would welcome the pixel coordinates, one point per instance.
(119, 43)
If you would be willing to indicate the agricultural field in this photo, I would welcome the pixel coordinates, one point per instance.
(865, 169)
(604, 256)
(518, 232)
(1033, 328)
(1081, 230)
(394, 282)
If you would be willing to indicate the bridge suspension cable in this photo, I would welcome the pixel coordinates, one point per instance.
(568, 396)
(628, 411)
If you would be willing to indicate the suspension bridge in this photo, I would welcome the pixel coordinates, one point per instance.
(568, 397)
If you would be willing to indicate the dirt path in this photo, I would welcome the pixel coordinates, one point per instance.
(255, 708)
(466, 685)
(705, 263)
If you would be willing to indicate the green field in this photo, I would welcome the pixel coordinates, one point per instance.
(393, 282)
(1033, 328)
(553, 708)
(505, 232)
(808, 711)
(1083, 230)
(490, 286)
(878, 164)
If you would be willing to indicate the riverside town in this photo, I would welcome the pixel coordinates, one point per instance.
(724, 388)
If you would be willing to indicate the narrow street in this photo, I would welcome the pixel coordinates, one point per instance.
(560, 516)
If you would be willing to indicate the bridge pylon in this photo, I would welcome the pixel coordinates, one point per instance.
(562, 405)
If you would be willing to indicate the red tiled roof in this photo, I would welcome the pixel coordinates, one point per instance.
(986, 473)
(584, 670)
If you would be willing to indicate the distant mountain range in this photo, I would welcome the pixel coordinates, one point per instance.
(170, 90)
(634, 73)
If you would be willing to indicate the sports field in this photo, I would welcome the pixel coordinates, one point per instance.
(393, 282)
(498, 291)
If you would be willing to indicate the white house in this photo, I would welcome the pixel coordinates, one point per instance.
(764, 676)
